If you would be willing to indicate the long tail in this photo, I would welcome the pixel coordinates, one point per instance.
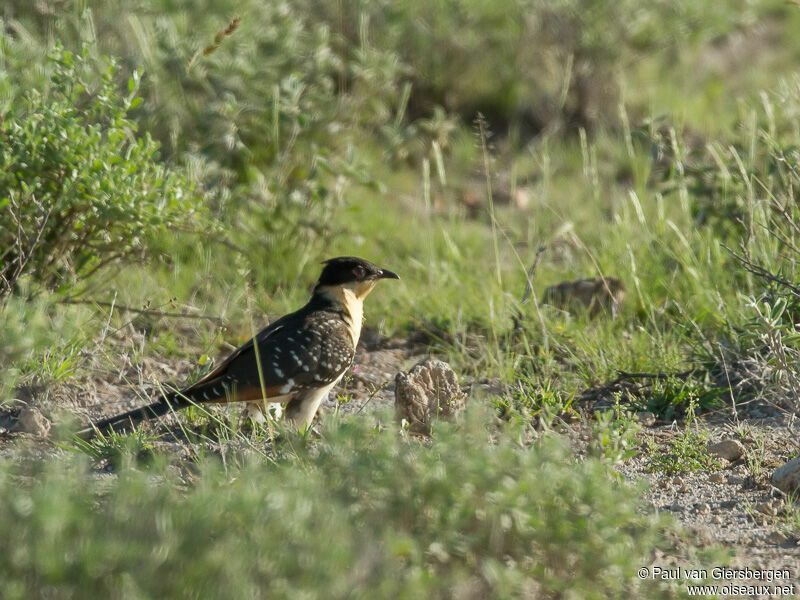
(128, 421)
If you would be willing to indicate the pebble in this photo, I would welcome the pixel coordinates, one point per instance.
(729, 449)
(646, 418)
(768, 508)
(787, 476)
(776, 506)
(777, 538)
(30, 420)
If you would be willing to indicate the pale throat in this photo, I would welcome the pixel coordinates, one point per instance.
(351, 297)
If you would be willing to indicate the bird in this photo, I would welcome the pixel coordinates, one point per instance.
(294, 361)
(596, 294)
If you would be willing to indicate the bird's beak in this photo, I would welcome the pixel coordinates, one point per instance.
(387, 274)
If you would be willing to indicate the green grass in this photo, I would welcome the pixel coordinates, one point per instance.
(314, 137)
(686, 453)
(792, 516)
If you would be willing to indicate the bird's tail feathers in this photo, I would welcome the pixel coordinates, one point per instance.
(129, 420)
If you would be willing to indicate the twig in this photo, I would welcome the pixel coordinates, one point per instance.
(374, 393)
(531, 272)
(625, 378)
(762, 272)
(728, 379)
(144, 311)
(623, 375)
(221, 35)
(517, 322)
(23, 257)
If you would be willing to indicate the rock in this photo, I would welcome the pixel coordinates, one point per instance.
(735, 480)
(729, 449)
(716, 478)
(646, 418)
(770, 507)
(30, 420)
(787, 477)
(777, 538)
(429, 390)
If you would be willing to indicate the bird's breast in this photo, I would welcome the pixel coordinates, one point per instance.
(354, 315)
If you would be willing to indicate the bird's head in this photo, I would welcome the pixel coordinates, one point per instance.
(350, 273)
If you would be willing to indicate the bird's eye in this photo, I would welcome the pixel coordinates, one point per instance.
(359, 272)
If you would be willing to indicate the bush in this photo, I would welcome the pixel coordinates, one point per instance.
(78, 190)
(369, 516)
(539, 63)
(24, 329)
(273, 120)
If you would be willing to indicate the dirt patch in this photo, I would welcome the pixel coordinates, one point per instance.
(733, 505)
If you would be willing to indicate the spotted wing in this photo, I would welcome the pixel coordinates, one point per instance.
(304, 352)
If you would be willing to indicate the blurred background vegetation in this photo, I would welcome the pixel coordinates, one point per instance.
(202, 156)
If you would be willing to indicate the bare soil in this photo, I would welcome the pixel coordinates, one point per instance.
(735, 506)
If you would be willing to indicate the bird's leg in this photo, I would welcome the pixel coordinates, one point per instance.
(302, 408)
(254, 413)
(275, 410)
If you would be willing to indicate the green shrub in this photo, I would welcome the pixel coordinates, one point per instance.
(24, 329)
(686, 453)
(540, 63)
(369, 516)
(78, 189)
(274, 122)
